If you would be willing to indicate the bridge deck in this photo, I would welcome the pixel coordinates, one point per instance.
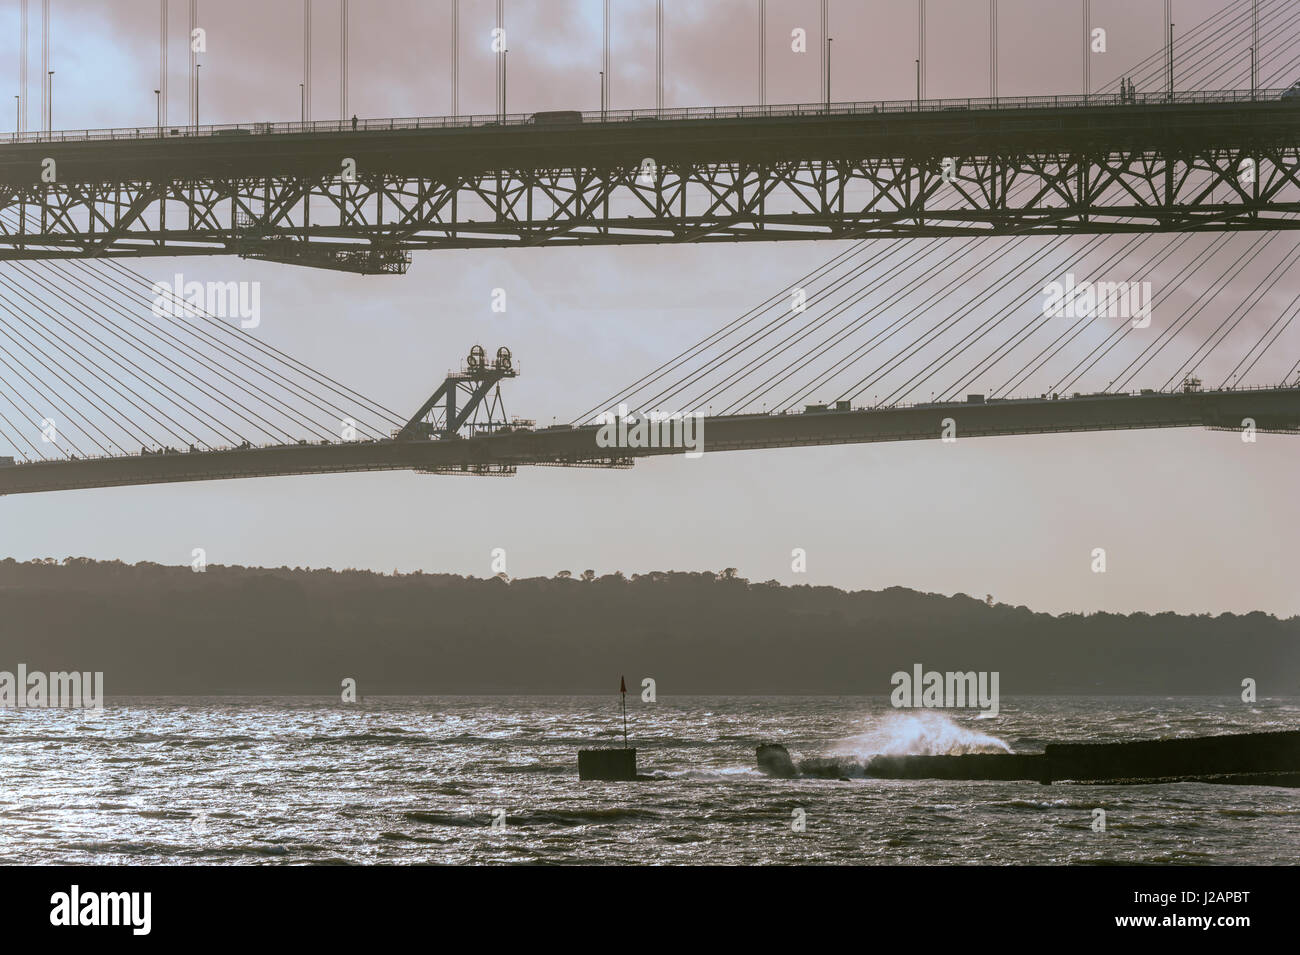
(434, 146)
(327, 195)
(1272, 409)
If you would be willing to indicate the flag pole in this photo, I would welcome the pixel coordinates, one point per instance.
(622, 688)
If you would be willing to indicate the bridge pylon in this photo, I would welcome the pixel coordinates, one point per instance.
(468, 401)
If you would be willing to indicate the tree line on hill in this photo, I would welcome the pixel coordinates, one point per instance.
(153, 629)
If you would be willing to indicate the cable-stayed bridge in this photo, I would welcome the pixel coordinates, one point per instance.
(502, 451)
(463, 429)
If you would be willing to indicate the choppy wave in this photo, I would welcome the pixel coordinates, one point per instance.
(419, 779)
(558, 817)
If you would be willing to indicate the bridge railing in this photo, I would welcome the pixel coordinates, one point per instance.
(638, 115)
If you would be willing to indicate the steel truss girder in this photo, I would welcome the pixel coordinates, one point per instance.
(797, 199)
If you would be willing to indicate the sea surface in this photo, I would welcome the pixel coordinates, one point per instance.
(401, 780)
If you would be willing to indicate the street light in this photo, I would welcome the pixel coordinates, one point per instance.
(18, 116)
(302, 104)
(51, 103)
(157, 108)
(197, 67)
(829, 40)
(1171, 61)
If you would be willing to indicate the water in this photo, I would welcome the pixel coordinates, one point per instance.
(413, 780)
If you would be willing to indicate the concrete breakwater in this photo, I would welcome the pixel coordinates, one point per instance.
(1241, 759)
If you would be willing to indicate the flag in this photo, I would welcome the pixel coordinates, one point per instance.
(622, 685)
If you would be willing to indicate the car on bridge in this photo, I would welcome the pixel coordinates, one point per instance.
(1293, 93)
(557, 117)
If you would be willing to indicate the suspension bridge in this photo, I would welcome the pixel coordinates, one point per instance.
(1137, 155)
(331, 196)
(935, 334)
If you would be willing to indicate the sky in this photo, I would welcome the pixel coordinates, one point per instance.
(1191, 520)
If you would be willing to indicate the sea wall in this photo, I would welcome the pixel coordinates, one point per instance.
(1260, 758)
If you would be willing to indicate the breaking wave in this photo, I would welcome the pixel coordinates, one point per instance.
(918, 734)
(900, 734)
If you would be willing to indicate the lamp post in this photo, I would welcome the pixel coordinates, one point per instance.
(157, 108)
(828, 73)
(1171, 61)
(302, 103)
(51, 101)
